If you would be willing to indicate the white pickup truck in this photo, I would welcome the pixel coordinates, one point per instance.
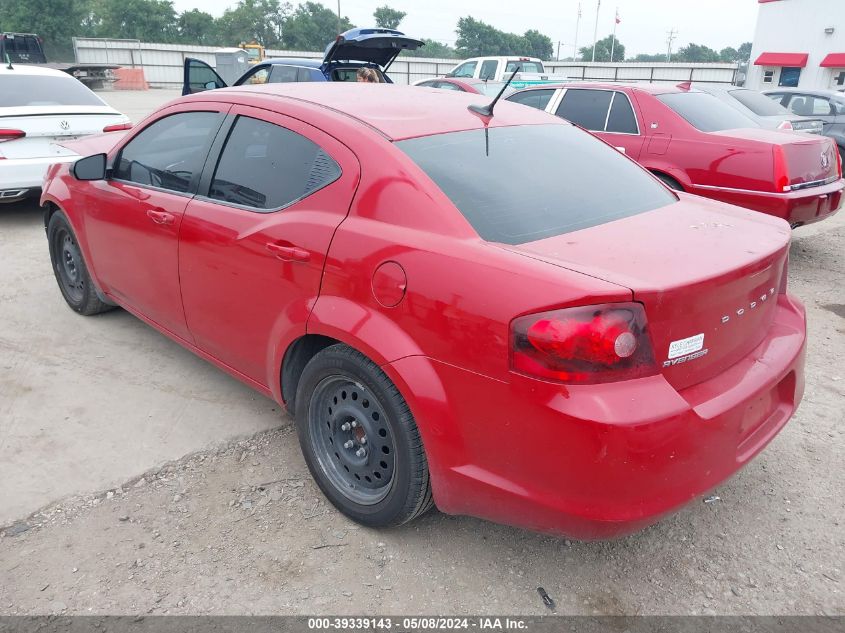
(531, 70)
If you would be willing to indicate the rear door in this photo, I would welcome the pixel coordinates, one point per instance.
(197, 76)
(133, 218)
(254, 241)
(609, 114)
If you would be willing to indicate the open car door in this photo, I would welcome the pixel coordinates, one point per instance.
(199, 77)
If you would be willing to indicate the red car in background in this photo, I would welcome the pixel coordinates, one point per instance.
(500, 315)
(465, 84)
(695, 143)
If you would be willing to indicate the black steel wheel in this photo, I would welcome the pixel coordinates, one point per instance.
(70, 269)
(360, 440)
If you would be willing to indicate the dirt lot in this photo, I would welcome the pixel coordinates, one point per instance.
(92, 410)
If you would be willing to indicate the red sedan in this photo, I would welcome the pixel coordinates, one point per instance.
(465, 84)
(696, 143)
(500, 315)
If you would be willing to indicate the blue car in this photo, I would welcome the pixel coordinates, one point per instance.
(356, 48)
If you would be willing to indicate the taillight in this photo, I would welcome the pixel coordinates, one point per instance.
(781, 173)
(585, 345)
(117, 127)
(10, 135)
(786, 125)
(838, 161)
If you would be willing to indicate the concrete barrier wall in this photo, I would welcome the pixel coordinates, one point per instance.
(162, 64)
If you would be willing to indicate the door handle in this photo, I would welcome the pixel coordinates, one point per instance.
(288, 253)
(160, 217)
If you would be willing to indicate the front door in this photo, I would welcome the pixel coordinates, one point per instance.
(254, 240)
(133, 218)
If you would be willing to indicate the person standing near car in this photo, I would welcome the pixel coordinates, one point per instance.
(367, 75)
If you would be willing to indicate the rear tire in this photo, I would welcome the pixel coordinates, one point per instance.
(669, 181)
(70, 269)
(360, 440)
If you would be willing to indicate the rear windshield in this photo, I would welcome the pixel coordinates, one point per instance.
(758, 103)
(706, 112)
(38, 90)
(524, 183)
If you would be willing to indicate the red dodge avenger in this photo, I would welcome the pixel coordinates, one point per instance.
(500, 315)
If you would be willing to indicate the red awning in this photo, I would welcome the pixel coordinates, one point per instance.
(834, 60)
(798, 60)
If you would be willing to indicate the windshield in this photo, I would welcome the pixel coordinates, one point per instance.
(44, 90)
(524, 183)
(706, 112)
(758, 103)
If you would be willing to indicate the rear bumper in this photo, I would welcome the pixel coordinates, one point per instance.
(20, 176)
(598, 461)
(796, 207)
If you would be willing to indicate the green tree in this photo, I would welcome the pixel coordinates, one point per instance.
(603, 47)
(145, 20)
(433, 48)
(388, 18)
(261, 21)
(650, 57)
(197, 27)
(311, 26)
(475, 38)
(744, 52)
(729, 54)
(535, 44)
(56, 21)
(696, 53)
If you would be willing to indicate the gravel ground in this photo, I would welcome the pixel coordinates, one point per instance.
(241, 529)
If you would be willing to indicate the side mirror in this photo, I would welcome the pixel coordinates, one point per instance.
(211, 85)
(90, 168)
(449, 75)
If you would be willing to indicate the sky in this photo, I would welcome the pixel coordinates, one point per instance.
(643, 28)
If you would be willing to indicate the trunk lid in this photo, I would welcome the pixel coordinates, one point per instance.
(708, 276)
(801, 160)
(379, 46)
(46, 127)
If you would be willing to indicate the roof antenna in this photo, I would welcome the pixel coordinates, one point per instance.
(488, 109)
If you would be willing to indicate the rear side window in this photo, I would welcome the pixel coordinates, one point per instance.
(621, 119)
(488, 69)
(571, 181)
(587, 108)
(282, 74)
(705, 112)
(266, 167)
(170, 152)
(535, 98)
(524, 67)
(44, 90)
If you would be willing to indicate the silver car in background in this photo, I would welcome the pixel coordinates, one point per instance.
(757, 106)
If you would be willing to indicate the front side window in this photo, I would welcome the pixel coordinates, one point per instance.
(260, 76)
(564, 186)
(170, 152)
(705, 112)
(266, 167)
(467, 69)
(587, 108)
(535, 98)
(488, 69)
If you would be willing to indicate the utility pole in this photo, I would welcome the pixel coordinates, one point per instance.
(575, 45)
(596, 29)
(671, 35)
(558, 51)
(338, 17)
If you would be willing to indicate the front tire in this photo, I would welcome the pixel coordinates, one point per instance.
(70, 269)
(360, 440)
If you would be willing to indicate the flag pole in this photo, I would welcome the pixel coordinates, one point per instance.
(577, 24)
(596, 29)
(613, 41)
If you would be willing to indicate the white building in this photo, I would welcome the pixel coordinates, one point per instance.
(798, 43)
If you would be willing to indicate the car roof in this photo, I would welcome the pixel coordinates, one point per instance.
(657, 89)
(29, 69)
(818, 92)
(294, 61)
(396, 112)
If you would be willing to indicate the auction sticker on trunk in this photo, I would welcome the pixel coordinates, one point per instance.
(686, 346)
